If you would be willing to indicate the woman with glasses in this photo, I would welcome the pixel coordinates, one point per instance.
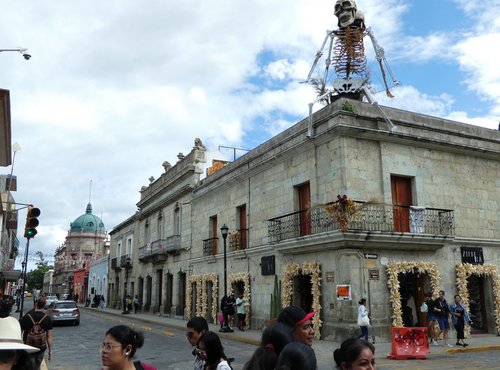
(119, 347)
(212, 352)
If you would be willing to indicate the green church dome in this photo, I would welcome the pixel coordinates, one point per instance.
(87, 223)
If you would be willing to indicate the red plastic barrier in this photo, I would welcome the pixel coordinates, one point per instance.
(409, 343)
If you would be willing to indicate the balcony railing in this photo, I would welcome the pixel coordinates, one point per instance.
(238, 240)
(123, 261)
(210, 246)
(160, 247)
(369, 217)
(115, 265)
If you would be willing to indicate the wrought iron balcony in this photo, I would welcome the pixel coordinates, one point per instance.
(123, 261)
(160, 248)
(368, 217)
(115, 264)
(210, 246)
(238, 240)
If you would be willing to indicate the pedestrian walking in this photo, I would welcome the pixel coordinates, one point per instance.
(299, 323)
(241, 312)
(443, 315)
(224, 306)
(87, 301)
(119, 347)
(231, 303)
(129, 303)
(101, 302)
(460, 318)
(37, 332)
(431, 317)
(13, 352)
(297, 356)
(212, 352)
(196, 327)
(363, 319)
(355, 354)
(136, 303)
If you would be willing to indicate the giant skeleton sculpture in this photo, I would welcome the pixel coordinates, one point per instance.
(346, 54)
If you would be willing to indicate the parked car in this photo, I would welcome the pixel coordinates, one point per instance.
(50, 299)
(64, 311)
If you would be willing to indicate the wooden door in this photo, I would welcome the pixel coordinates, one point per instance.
(215, 234)
(401, 202)
(304, 205)
(243, 226)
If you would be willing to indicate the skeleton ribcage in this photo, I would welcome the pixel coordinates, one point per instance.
(349, 53)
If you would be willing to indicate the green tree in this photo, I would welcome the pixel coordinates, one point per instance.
(34, 278)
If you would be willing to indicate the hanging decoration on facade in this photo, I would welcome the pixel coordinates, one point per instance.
(343, 210)
(243, 277)
(464, 271)
(200, 282)
(308, 268)
(394, 269)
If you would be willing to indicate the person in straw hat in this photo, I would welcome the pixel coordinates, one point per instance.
(13, 352)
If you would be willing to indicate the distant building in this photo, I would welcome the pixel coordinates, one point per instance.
(47, 282)
(85, 241)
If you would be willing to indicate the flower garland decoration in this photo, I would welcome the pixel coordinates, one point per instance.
(200, 284)
(308, 268)
(393, 270)
(244, 277)
(464, 271)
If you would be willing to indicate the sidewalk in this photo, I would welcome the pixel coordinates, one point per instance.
(323, 348)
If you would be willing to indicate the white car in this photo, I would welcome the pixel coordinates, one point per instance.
(50, 299)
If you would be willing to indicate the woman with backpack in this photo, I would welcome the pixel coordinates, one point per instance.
(119, 347)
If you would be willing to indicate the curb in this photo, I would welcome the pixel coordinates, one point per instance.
(472, 349)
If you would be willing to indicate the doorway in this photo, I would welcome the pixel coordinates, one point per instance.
(181, 304)
(302, 292)
(169, 278)
(412, 288)
(477, 307)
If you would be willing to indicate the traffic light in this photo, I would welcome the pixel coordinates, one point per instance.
(31, 222)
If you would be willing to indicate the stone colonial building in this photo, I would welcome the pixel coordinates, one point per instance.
(85, 241)
(417, 211)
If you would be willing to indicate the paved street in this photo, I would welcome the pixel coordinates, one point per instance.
(77, 347)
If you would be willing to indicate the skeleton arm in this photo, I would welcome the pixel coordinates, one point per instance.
(380, 56)
(319, 54)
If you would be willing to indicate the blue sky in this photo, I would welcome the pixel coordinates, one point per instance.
(115, 88)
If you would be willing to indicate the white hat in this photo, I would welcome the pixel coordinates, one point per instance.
(10, 336)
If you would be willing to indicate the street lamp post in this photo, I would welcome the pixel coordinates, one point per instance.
(128, 265)
(224, 230)
(20, 287)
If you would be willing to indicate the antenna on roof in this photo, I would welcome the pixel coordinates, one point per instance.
(90, 190)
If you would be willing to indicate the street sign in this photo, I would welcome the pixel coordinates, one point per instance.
(371, 256)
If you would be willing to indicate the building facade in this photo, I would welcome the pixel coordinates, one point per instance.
(334, 209)
(85, 241)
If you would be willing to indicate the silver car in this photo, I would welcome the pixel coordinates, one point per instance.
(49, 299)
(64, 311)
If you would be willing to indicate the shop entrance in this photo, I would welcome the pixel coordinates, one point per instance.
(477, 307)
(412, 288)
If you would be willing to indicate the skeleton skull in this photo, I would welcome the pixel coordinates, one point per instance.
(345, 11)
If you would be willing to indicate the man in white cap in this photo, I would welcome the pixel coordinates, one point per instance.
(12, 349)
